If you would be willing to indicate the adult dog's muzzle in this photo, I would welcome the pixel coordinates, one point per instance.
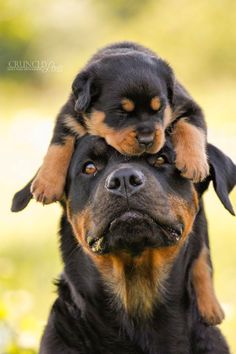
(130, 222)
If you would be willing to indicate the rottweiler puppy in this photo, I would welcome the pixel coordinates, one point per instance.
(132, 232)
(130, 97)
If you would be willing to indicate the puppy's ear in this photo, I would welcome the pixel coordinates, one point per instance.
(22, 198)
(166, 72)
(84, 90)
(223, 175)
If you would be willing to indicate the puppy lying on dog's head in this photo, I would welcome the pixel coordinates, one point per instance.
(130, 97)
(141, 232)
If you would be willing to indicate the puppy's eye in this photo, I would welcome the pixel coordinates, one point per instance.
(89, 168)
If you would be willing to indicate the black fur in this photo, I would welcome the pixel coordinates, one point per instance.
(129, 96)
(130, 70)
(83, 320)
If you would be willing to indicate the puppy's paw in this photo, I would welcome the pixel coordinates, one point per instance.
(194, 167)
(211, 312)
(47, 189)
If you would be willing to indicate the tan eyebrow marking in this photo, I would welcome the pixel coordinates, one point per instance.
(127, 104)
(155, 103)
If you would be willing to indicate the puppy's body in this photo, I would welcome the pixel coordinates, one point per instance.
(129, 96)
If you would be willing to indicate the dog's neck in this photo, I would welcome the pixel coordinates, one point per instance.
(132, 286)
(81, 280)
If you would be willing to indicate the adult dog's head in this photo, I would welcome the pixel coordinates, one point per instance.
(120, 205)
(132, 216)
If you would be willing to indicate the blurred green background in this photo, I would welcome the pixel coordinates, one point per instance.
(198, 38)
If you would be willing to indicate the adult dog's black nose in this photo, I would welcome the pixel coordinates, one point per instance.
(125, 181)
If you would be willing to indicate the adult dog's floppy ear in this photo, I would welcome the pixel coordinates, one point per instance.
(84, 90)
(22, 198)
(223, 175)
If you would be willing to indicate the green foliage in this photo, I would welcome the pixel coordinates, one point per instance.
(16, 35)
(123, 10)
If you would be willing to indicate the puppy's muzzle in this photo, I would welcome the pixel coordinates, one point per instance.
(145, 136)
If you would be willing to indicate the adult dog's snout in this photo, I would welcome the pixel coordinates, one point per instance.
(125, 181)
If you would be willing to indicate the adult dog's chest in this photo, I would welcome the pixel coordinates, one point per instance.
(98, 333)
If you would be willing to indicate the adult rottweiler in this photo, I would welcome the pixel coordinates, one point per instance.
(131, 231)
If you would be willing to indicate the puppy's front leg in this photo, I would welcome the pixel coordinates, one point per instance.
(48, 185)
(190, 147)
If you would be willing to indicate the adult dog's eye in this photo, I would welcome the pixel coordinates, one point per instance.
(89, 168)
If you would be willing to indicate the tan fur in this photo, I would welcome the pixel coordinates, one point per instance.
(80, 223)
(127, 105)
(190, 146)
(123, 140)
(167, 117)
(208, 304)
(49, 183)
(96, 124)
(155, 103)
(136, 282)
(75, 126)
(185, 211)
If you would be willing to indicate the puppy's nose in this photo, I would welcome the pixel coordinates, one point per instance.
(125, 181)
(145, 137)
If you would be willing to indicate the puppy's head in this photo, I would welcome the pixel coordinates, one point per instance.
(126, 99)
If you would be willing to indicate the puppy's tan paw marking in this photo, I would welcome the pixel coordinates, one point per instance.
(211, 312)
(47, 190)
(194, 168)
